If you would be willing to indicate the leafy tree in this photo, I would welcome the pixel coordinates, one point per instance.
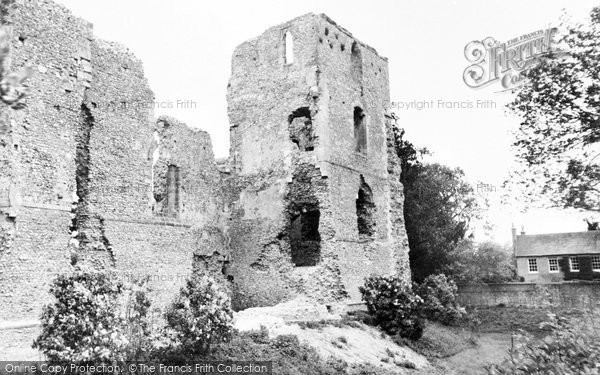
(438, 207)
(557, 141)
(487, 262)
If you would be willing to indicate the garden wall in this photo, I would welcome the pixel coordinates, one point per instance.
(566, 294)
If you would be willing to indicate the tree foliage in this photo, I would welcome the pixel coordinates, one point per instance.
(559, 104)
(438, 207)
(487, 262)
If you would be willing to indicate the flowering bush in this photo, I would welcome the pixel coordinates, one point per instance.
(571, 348)
(439, 297)
(393, 305)
(135, 306)
(200, 316)
(83, 324)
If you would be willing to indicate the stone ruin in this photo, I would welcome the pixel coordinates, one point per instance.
(309, 202)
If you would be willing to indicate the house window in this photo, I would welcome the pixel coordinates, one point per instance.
(533, 267)
(288, 41)
(553, 264)
(574, 262)
(596, 263)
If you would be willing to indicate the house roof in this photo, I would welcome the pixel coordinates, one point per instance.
(558, 244)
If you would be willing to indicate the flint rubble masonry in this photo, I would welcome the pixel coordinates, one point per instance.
(309, 202)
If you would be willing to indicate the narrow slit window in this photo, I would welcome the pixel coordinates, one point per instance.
(288, 41)
(356, 62)
(360, 131)
(173, 187)
(365, 211)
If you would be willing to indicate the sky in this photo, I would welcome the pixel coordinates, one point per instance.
(186, 47)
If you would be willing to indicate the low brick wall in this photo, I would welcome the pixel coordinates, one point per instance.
(565, 294)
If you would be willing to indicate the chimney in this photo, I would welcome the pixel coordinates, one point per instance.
(522, 230)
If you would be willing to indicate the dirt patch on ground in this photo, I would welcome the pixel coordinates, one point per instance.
(490, 348)
(354, 343)
(16, 344)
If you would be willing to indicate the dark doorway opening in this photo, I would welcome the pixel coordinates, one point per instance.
(305, 239)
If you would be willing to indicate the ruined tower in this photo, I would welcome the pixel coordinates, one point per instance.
(309, 203)
(316, 201)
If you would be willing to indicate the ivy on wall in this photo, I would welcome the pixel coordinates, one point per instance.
(585, 269)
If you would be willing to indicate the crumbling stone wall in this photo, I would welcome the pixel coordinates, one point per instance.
(76, 169)
(190, 150)
(300, 157)
(398, 236)
(113, 172)
(39, 148)
(7, 223)
(308, 203)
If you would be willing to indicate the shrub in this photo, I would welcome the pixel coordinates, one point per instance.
(393, 305)
(439, 299)
(201, 315)
(573, 347)
(135, 306)
(86, 324)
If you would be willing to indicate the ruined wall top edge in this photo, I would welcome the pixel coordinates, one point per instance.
(180, 124)
(31, 19)
(314, 18)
